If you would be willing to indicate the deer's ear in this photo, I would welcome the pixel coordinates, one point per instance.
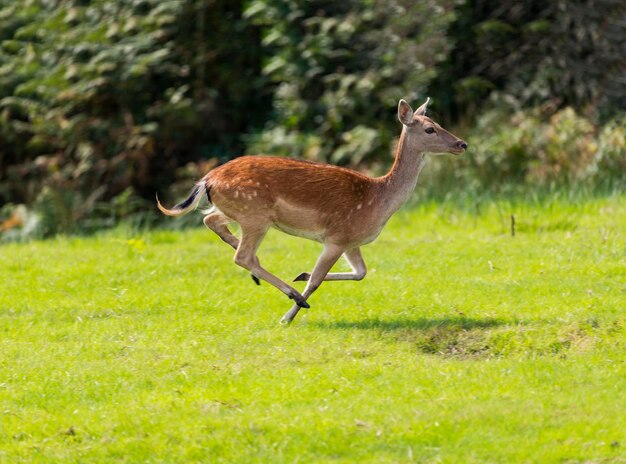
(405, 113)
(421, 111)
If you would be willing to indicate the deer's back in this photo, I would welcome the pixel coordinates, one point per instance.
(300, 197)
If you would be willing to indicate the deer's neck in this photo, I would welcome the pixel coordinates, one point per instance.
(400, 181)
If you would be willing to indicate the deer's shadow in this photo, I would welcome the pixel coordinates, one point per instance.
(448, 336)
(420, 323)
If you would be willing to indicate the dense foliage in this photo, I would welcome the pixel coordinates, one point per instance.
(341, 66)
(104, 102)
(567, 52)
(102, 96)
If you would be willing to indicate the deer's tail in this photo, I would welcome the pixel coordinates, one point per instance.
(188, 204)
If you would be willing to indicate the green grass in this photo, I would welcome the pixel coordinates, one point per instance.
(463, 344)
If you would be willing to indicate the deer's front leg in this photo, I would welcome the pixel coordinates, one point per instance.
(329, 256)
(355, 260)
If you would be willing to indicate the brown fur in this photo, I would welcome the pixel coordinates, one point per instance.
(287, 194)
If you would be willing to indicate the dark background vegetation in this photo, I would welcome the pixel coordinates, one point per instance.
(105, 102)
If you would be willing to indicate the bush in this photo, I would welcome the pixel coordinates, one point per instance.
(106, 97)
(544, 147)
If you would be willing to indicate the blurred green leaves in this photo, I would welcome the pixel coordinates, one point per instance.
(99, 96)
(340, 67)
(568, 51)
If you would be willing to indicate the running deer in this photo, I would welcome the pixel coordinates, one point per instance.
(341, 208)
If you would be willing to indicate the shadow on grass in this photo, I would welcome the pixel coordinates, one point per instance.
(448, 336)
(420, 323)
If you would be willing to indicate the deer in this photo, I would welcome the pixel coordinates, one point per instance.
(341, 208)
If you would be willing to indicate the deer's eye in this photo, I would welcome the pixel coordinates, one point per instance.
(430, 130)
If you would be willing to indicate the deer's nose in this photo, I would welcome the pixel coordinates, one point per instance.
(461, 144)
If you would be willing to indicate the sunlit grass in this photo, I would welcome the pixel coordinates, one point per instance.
(463, 344)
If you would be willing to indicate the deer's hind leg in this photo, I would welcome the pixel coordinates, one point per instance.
(218, 223)
(245, 256)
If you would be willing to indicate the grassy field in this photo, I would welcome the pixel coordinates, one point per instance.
(463, 344)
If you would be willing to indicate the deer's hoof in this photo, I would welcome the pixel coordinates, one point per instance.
(256, 279)
(302, 277)
(299, 299)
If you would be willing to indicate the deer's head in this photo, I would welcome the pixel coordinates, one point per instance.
(430, 136)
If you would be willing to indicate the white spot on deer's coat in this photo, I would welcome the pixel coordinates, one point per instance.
(359, 206)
